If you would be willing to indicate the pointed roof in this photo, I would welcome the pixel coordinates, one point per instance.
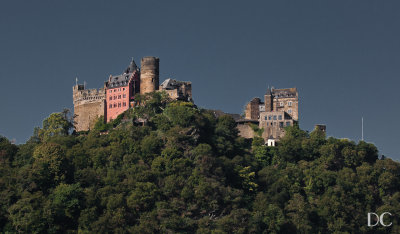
(268, 91)
(132, 67)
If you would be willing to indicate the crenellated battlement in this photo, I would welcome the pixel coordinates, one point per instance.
(83, 96)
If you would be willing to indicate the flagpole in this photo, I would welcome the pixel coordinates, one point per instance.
(362, 128)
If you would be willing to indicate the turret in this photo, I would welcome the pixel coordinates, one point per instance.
(131, 68)
(268, 100)
(149, 74)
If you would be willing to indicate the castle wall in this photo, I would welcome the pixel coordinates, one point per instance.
(288, 104)
(253, 109)
(89, 104)
(245, 131)
(274, 124)
(87, 115)
(173, 93)
(177, 90)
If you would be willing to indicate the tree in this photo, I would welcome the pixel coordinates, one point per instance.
(63, 206)
(57, 124)
(50, 165)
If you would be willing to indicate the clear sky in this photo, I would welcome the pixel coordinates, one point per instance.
(343, 56)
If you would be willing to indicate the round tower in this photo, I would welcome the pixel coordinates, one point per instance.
(149, 74)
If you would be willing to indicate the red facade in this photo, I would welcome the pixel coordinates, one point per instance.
(120, 91)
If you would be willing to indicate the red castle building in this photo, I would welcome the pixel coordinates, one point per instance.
(120, 91)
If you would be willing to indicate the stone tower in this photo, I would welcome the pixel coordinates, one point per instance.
(89, 105)
(268, 100)
(149, 74)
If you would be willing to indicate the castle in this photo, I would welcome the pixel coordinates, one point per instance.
(279, 110)
(118, 93)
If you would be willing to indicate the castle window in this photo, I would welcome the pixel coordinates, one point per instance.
(274, 117)
(119, 104)
(123, 89)
(287, 124)
(115, 104)
(110, 106)
(269, 117)
(124, 103)
(110, 98)
(289, 111)
(119, 96)
(289, 103)
(266, 117)
(280, 117)
(281, 124)
(124, 95)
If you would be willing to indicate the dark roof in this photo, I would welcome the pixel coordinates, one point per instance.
(132, 67)
(292, 92)
(173, 84)
(123, 79)
(118, 81)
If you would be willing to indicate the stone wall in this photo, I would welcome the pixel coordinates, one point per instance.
(253, 109)
(245, 130)
(149, 74)
(289, 104)
(274, 124)
(89, 104)
(87, 115)
(177, 90)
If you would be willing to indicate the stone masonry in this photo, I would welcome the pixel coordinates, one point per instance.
(279, 110)
(89, 105)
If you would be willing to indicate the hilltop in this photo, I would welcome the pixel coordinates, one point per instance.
(168, 166)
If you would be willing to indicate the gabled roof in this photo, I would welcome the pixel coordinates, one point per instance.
(172, 84)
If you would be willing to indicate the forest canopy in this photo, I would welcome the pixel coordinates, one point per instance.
(170, 167)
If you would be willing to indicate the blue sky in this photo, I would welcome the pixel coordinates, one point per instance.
(343, 56)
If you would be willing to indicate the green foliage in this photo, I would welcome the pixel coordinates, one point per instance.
(180, 113)
(187, 171)
(57, 124)
(258, 131)
(101, 125)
